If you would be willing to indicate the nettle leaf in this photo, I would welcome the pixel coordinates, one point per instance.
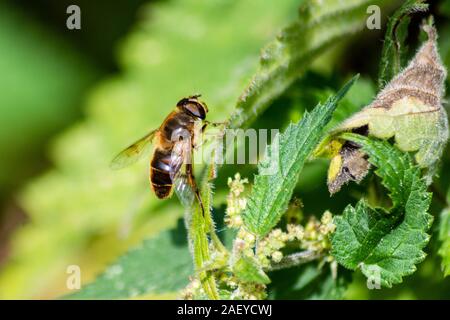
(385, 243)
(160, 265)
(279, 171)
(444, 237)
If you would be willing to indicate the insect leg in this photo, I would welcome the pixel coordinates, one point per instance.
(214, 124)
(193, 184)
(217, 135)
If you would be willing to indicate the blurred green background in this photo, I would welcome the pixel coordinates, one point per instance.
(70, 99)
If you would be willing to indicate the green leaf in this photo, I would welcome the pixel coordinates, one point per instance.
(358, 232)
(160, 265)
(388, 243)
(444, 237)
(280, 169)
(292, 52)
(248, 270)
(397, 30)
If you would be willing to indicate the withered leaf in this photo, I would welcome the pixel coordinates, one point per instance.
(349, 164)
(409, 109)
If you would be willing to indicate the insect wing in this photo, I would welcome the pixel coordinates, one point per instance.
(182, 154)
(134, 152)
(184, 190)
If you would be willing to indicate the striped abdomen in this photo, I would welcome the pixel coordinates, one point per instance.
(161, 171)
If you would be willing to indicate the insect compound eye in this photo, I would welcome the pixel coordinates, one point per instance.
(194, 107)
(196, 110)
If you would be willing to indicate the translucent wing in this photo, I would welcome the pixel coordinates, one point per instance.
(183, 190)
(181, 154)
(134, 152)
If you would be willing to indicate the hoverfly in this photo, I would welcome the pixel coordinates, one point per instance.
(174, 142)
